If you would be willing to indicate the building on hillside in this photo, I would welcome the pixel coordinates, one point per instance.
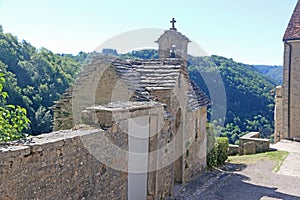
(287, 109)
(154, 98)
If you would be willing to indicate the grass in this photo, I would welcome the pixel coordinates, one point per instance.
(276, 156)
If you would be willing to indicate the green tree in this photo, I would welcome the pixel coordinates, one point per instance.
(35, 78)
(13, 118)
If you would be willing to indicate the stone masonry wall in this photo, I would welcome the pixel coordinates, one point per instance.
(170, 38)
(251, 144)
(294, 92)
(192, 131)
(195, 153)
(160, 175)
(66, 164)
(58, 166)
(94, 86)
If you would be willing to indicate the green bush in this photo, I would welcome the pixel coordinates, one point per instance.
(217, 155)
(223, 144)
(210, 146)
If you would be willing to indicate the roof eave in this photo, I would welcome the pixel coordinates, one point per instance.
(290, 39)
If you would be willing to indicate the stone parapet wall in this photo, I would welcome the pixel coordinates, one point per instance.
(251, 144)
(58, 166)
(233, 149)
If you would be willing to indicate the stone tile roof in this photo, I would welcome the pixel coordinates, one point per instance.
(293, 30)
(149, 74)
(144, 76)
(198, 98)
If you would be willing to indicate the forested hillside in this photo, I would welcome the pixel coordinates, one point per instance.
(249, 95)
(34, 79)
(274, 73)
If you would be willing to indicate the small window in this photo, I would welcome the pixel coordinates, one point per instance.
(172, 51)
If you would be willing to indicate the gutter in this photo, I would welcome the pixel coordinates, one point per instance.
(289, 87)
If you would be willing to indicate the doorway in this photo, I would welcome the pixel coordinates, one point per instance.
(138, 141)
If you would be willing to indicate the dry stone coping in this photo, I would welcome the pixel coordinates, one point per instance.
(251, 135)
(41, 142)
(255, 139)
(251, 143)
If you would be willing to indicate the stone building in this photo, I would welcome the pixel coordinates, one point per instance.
(287, 109)
(141, 106)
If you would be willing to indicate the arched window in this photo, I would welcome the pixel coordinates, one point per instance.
(172, 51)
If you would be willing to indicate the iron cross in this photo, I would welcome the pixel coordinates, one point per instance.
(173, 24)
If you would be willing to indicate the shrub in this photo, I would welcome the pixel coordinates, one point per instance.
(223, 144)
(217, 153)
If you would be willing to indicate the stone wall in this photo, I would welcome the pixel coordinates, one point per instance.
(97, 84)
(233, 149)
(160, 175)
(278, 116)
(63, 117)
(66, 164)
(58, 166)
(190, 135)
(195, 144)
(251, 144)
(174, 39)
(294, 92)
(67, 111)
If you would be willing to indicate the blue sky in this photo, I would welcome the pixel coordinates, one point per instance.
(249, 31)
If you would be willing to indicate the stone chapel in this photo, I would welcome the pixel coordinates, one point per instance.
(287, 103)
(148, 106)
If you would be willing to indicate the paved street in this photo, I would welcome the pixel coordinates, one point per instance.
(249, 182)
(291, 165)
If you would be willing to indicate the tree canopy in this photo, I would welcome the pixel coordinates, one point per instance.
(35, 79)
(13, 118)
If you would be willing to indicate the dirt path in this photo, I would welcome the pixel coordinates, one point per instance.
(245, 182)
